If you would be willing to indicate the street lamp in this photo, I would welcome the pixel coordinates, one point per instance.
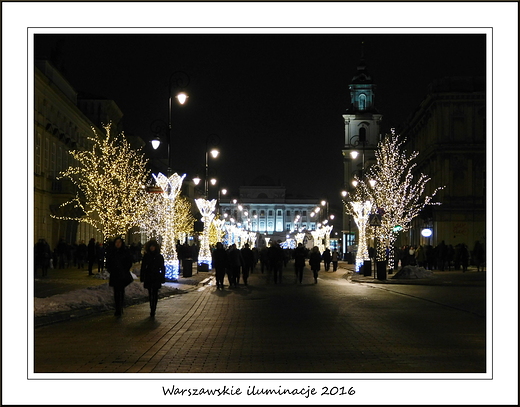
(178, 80)
(212, 140)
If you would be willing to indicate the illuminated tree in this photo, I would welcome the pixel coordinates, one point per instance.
(216, 233)
(110, 179)
(184, 219)
(398, 195)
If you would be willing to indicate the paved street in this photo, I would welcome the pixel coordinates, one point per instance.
(335, 326)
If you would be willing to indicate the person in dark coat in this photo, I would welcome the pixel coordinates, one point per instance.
(299, 262)
(235, 261)
(91, 255)
(153, 273)
(314, 262)
(42, 256)
(119, 262)
(249, 259)
(81, 254)
(100, 253)
(264, 259)
(219, 261)
(276, 257)
(326, 259)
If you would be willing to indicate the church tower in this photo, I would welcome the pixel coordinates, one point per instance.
(362, 134)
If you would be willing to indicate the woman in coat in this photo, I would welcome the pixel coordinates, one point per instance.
(153, 272)
(119, 262)
(314, 262)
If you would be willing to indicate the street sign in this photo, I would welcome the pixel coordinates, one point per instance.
(374, 220)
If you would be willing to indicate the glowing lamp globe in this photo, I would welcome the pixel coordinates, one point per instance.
(182, 98)
(156, 143)
(426, 232)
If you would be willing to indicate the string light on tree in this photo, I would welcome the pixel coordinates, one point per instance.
(398, 195)
(110, 179)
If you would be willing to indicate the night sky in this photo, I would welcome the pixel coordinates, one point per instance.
(274, 100)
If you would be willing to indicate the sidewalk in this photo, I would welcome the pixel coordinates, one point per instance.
(76, 282)
(447, 277)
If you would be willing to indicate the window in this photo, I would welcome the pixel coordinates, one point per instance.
(362, 102)
(254, 213)
(270, 213)
(46, 156)
(304, 213)
(287, 226)
(53, 160)
(262, 213)
(279, 213)
(38, 154)
(288, 213)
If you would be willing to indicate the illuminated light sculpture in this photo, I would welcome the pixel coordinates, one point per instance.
(299, 237)
(252, 239)
(327, 232)
(171, 187)
(361, 211)
(206, 209)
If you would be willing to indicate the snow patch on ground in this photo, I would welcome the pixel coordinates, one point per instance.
(413, 272)
(101, 296)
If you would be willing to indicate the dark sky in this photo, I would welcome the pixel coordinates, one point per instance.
(275, 101)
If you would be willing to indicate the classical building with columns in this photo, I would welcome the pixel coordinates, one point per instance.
(265, 207)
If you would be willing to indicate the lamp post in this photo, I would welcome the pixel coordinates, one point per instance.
(178, 80)
(211, 141)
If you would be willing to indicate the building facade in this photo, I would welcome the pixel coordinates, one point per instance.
(266, 209)
(60, 125)
(449, 131)
(362, 134)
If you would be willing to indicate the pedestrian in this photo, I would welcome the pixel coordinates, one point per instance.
(81, 254)
(464, 256)
(420, 256)
(299, 262)
(264, 259)
(314, 262)
(153, 272)
(334, 258)
(119, 262)
(219, 261)
(91, 255)
(61, 253)
(42, 256)
(235, 262)
(326, 256)
(249, 260)
(100, 253)
(479, 256)
(276, 256)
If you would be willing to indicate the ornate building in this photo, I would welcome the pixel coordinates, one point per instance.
(61, 125)
(448, 130)
(362, 134)
(265, 208)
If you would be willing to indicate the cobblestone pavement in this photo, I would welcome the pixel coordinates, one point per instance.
(335, 326)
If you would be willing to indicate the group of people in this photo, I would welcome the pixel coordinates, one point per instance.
(441, 257)
(242, 262)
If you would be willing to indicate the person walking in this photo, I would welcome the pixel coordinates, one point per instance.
(326, 256)
(42, 257)
(219, 261)
(249, 260)
(335, 258)
(235, 261)
(91, 255)
(119, 262)
(81, 254)
(153, 273)
(314, 262)
(264, 259)
(276, 261)
(299, 262)
(100, 253)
